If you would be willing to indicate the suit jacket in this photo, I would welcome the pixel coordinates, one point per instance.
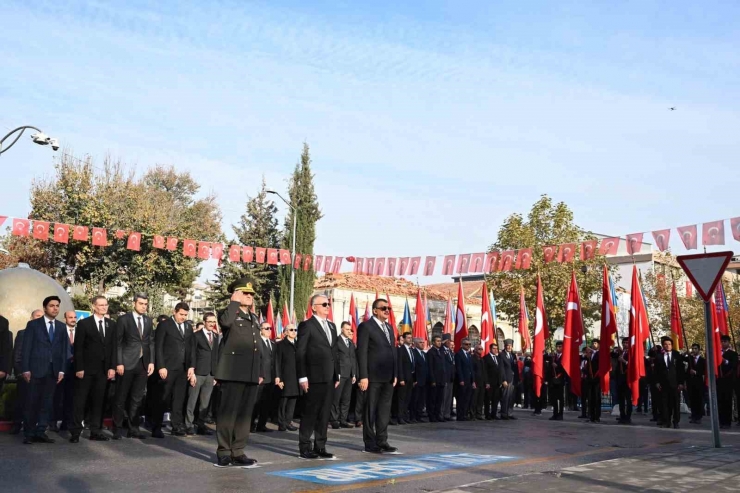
(347, 358)
(508, 364)
(478, 372)
(699, 366)
(93, 354)
(285, 368)
(672, 375)
(268, 355)
(449, 364)
(493, 370)
(6, 347)
(129, 344)
(39, 351)
(240, 355)
(18, 353)
(436, 364)
(174, 348)
(593, 373)
(463, 368)
(406, 368)
(555, 372)
(316, 357)
(376, 357)
(422, 367)
(728, 366)
(203, 356)
(620, 369)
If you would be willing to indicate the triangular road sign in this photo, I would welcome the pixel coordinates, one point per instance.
(705, 270)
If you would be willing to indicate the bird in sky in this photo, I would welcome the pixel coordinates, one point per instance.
(672, 108)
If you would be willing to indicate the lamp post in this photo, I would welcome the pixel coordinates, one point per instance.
(39, 138)
(292, 253)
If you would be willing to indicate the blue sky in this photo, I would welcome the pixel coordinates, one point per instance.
(429, 122)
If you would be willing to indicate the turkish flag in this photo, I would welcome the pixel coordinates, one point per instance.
(379, 266)
(507, 260)
(390, 270)
(567, 252)
(429, 264)
(609, 246)
(662, 237)
(369, 266)
(158, 241)
(492, 261)
(204, 250)
(639, 331)
(337, 265)
(2, 220)
(298, 262)
(260, 255)
(448, 265)
(359, 266)
(734, 226)
(463, 263)
(217, 251)
(284, 256)
(318, 262)
(588, 249)
(573, 332)
(120, 234)
(41, 230)
(307, 261)
(61, 233)
(235, 253)
(548, 253)
(414, 266)
(403, 265)
(188, 248)
(134, 242)
(327, 263)
(272, 256)
(80, 233)
(99, 237)
(634, 243)
(247, 254)
(541, 332)
(524, 259)
(688, 236)
(712, 233)
(21, 227)
(476, 265)
(172, 243)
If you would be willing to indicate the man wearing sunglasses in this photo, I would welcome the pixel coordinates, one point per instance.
(378, 369)
(318, 375)
(286, 379)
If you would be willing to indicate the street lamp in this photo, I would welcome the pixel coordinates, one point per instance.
(39, 138)
(292, 258)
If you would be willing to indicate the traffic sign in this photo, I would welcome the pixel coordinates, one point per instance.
(705, 270)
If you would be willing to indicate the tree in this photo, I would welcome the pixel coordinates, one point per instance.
(257, 227)
(302, 196)
(22, 249)
(547, 224)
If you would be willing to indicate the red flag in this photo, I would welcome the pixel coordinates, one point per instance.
(734, 226)
(448, 265)
(461, 322)
(391, 316)
(391, 267)
(260, 255)
(609, 246)
(507, 260)
(713, 233)
(403, 264)
(379, 266)
(41, 230)
(298, 262)
(337, 265)
(171, 243)
(688, 236)
(447, 328)
(492, 262)
(285, 316)
(327, 263)
(158, 241)
(429, 264)
(188, 248)
(572, 336)
(588, 249)
(608, 329)
(99, 237)
(420, 325)
(367, 316)
(330, 316)
(716, 332)
(61, 233)
(217, 251)
(477, 260)
(634, 244)
(676, 323)
(204, 250)
(307, 260)
(463, 263)
(549, 252)
(353, 317)
(21, 227)
(662, 238)
(318, 262)
(285, 257)
(309, 310)
(235, 254)
(272, 256)
(359, 266)
(524, 322)
(134, 242)
(247, 254)
(541, 332)
(524, 259)
(414, 265)
(639, 332)
(270, 319)
(567, 252)
(486, 321)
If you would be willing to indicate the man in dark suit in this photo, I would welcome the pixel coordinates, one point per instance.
(437, 380)
(45, 353)
(95, 350)
(63, 407)
(317, 363)
(378, 371)
(594, 383)
(493, 381)
(448, 346)
(464, 379)
(421, 381)
(509, 368)
(725, 382)
(479, 376)
(266, 391)
(620, 371)
(286, 378)
(406, 377)
(19, 410)
(556, 378)
(348, 371)
(670, 378)
(239, 373)
(173, 361)
(134, 363)
(205, 361)
(695, 382)
(6, 351)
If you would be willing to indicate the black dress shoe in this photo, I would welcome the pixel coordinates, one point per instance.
(209, 421)
(204, 431)
(99, 437)
(43, 438)
(335, 425)
(393, 422)
(373, 450)
(54, 428)
(282, 428)
(118, 436)
(346, 425)
(157, 433)
(264, 429)
(76, 439)
(358, 424)
(675, 426)
(177, 432)
(243, 460)
(190, 431)
(136, 434)
(387, 449)
(323, 454)
(291, 428)
(309, 455)
(223, 462)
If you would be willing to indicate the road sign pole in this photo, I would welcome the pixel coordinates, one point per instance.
(711, 369)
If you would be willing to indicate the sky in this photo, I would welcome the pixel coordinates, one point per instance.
(429, 122)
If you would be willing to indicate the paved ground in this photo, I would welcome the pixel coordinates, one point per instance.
(530, 454)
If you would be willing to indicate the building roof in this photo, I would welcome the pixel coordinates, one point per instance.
(471, 289)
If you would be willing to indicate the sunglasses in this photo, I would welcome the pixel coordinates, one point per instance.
(266, 328)
(383, 308)
(291, 330)
(325, 304)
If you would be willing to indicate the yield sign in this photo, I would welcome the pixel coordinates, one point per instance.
(705, 270)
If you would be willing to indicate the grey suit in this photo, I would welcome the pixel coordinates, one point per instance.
(348, 371)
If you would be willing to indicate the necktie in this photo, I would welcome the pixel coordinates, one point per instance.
(179, 327)
(101, 330)
(411, 355)
(141, 327)
(385, 331)
(326, 330)
(210, 342)
(72, 336)
(346, 341)
(51, 331)
(495, 360)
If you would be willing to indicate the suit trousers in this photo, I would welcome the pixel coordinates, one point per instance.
(492, 399)
(594, 401)
(696, 399)
(418, 402)
(90, 388)
(540, 403)
(234, 417)
(40, 400)
(404, 399)
(507, 400)
(200, 396)
(265, 404)
(557, 397)
(437, 400)
(464, 396)
(286, 408)
(671, 405)
(21, 397)
(447, 403)
(377, 414)
(315, 418)
(656, 402)
(64, 407)
(170, 394)
(624, 396)
(585, 393)
(479, 395)
(129, 394)
(340, 404)
(359, 403)
(724, 401)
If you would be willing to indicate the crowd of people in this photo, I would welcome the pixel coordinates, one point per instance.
(228, 371)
